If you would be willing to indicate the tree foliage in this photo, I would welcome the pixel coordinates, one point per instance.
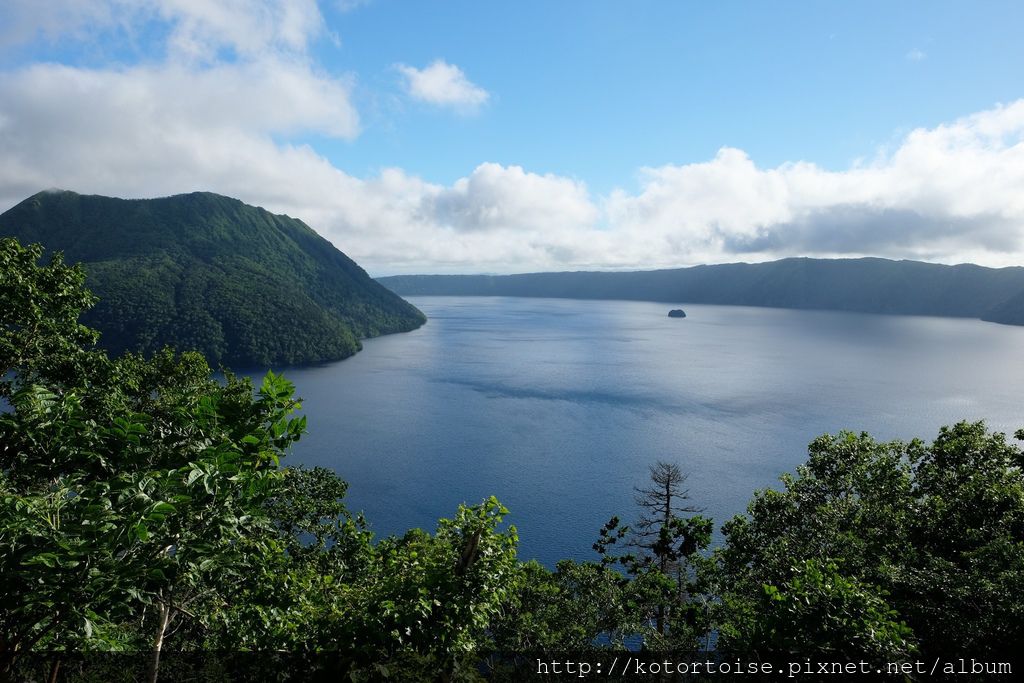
(930, 536)
(143, 506)
(40, 337)
(123, 483)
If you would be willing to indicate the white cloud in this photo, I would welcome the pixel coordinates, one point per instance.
(496, 197)
(443, 84)
(950, 193)
(198, 29)
(916, 55)
(22, 21)
(202, 110)
(146, 128)
(946, 193)
(272, 96)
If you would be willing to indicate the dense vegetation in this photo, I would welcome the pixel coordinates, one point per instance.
(207, 273)
(867, 285)
(144, 507)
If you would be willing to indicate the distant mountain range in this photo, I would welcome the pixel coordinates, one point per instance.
(866, 285)
(205, 272)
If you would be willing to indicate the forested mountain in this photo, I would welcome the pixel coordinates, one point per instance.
(206, 272)
(867, 285)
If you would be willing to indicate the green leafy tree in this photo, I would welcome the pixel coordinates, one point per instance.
(123, 483)
(935, 531)
(962, 586)
(40, 335)
(817, 614)
(433, 597)
(580, 606)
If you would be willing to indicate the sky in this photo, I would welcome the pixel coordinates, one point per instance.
(485, 137)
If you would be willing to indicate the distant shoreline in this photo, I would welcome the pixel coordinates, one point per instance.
(864, 285)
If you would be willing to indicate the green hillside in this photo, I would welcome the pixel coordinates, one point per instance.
(865, 285)
(201, 271)
(1010, 312)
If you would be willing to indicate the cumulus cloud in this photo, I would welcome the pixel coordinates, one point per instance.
(949, 193)
(496, 197)
(443, 84)
(946, 194)
(160, 128)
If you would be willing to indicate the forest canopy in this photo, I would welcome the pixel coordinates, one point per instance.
(207, 273)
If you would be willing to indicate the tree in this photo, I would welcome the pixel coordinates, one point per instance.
(109, 516)
(577, 607)
(817, 614)
(124, 484)
(40, 336)
(668, 549)
(934, 531)
(962, 587)
(663, 505)
(431, 598)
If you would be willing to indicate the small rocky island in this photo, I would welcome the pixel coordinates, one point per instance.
(677, 313)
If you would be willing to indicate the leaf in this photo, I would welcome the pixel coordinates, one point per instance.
(164, 508)
(46, 559)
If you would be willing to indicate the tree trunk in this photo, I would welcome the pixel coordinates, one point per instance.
(664, 558)
(54, 671)
(158, 642)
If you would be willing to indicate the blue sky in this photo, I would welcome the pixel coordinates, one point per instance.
(502, 137)
(596, 89)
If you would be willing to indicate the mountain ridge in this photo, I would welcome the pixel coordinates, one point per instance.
(201, 271)
(864, 285)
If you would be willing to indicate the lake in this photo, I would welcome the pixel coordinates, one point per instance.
(557, 407)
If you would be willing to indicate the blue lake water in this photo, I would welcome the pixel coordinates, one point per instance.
(557, 407)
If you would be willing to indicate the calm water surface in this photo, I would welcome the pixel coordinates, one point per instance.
(557, 407)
